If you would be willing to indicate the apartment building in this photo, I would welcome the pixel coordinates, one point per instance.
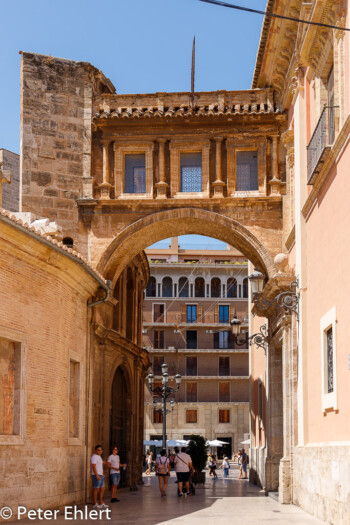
(191, 297)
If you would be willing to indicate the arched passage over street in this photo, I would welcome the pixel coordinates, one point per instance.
(154, 227)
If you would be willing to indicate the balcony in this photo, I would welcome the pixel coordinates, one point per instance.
(321, 141)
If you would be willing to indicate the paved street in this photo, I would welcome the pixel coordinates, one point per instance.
(218, 502)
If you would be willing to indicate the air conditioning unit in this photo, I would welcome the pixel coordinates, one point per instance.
(171, 347)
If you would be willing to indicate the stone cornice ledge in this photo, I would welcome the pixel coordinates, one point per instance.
(290, 239)
(111, 335)
(342, 138)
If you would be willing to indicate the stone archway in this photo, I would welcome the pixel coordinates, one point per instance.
(156, 226)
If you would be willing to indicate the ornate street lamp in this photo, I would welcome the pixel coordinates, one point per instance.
(162, 393)
(288, 301)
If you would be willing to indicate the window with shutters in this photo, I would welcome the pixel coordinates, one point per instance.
(183, 287)
(191, 365)
(191, 313)
(191, 392)
(158, 313)
(191, 416)
(224, 416)
(224, 313)
(191, 172)
(158, 339)
(135, 173)
(151, 290)
(215, 287)
(224, 392)
(231, 288)
(157, 416)
(247, 171)
(199, 287)
(158, 360)
(224, 366)
(191, 339)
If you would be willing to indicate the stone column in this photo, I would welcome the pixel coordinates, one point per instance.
(161, 185)
(275, 182)
(218, 184)
(105, 187)
(289, 394)
(274, 417)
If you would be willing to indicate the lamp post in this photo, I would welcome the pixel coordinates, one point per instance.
(163, 392)
(288, 301)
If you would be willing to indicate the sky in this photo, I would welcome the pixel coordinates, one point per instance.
(143, 46)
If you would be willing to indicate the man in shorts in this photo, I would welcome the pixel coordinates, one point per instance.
(98, 481)
(113, 463)
(244, 464)
(183, 466)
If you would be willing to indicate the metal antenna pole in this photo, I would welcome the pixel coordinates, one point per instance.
(193, 67)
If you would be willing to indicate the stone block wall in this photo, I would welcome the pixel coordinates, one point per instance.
(56, 117)
(321, 481)
(47, 324)
(257, 466)
(10, 192)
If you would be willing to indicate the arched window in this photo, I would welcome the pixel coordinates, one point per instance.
(167, 287)
(183, 287)
(245, 287)
(199, 287)
(215, 287)
(151, 290)
(231, 288)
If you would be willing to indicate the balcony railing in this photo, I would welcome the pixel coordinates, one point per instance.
(321, 141)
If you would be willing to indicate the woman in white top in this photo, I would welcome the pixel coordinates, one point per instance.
(162, 471)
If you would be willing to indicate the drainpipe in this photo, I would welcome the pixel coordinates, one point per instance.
(89, 333)
(108, 293)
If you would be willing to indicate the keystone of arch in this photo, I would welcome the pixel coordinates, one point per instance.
(183, 221)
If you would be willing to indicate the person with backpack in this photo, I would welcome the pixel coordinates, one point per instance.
(162, 471)
(245, 461)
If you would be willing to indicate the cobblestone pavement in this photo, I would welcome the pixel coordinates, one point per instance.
(219, 502)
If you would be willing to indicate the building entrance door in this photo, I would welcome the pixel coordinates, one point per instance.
(119, 423)
(225, 450)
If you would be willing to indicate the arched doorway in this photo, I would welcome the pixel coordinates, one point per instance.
(120, 419)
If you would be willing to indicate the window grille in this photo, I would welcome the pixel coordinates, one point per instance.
(191, 172)
(246, 171)
(135, 173)
(330, 382)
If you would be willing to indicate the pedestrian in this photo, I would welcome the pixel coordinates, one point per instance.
(226, 466)
(113, 463)
(149, 460)
(239, 459)
(98, 481)
(212, 466)
(183, 466)
(162, 471)
(244, 464)
(210, 459)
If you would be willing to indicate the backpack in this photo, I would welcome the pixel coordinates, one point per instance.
(163, 467)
